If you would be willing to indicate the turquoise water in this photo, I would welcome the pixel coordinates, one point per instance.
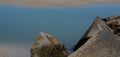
(21, 25)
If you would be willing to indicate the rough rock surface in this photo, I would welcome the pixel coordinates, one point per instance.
(102, 44)
(47, 46)
(97, 26)
(101, 40)
(113, 23)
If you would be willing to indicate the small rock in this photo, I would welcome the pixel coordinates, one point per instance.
(47, 46)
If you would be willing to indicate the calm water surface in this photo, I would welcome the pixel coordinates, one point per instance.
(21, 25)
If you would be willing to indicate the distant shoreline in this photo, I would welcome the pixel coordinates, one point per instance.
(54, 4)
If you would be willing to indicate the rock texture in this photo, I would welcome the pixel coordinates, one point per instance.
(102, 44)
(47, 46)
(113, 23)
(97, 26)
(101, 40)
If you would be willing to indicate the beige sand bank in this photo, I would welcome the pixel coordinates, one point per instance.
(14, 50)
(57, 2)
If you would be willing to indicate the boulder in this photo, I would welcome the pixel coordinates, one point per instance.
(47, 46)
(102, 44)
(102, 39)
(97, 26)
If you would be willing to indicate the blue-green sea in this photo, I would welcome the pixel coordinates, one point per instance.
(20, 25)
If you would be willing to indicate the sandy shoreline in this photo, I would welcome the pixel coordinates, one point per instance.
(43, 3)
(16, 50)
